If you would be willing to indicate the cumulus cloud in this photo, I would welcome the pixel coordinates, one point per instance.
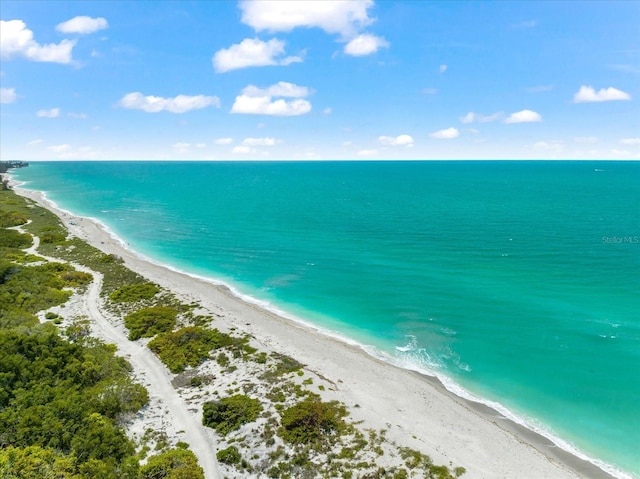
(252, 52)
(365, 44)
(82, 25)
(224, 141)
(260, 141)
(16, 40)
(443, 68)
(282, 88)
(345, 17)
(630, 141)
(242, 150)
(52, 113)
(524, 116)
(367, 153)
(402, 140)
(478, 118)
(446, 134)
(178, 104)
(587, 94)
(260, 101)
(8, 95)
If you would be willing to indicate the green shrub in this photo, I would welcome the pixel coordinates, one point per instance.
(229, 455)
(75, 279)
(174, 464)
(50, 315)
(311, 420)
(229, 413)
(9, 219)
(52, 234)
(148, 322)
(15, 239)
(134, 292)
(188, 346)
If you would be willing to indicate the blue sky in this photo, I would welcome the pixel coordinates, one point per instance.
(297, 80)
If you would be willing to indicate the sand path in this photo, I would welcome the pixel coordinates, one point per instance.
(147, 365)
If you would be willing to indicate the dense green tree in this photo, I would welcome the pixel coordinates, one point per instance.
(311, 420)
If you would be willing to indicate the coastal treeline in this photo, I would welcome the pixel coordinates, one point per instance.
(64, 395)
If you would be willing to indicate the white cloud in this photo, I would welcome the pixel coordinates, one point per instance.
(59, 148)
(282, 88)
(524, 116)
(365, 44)
(242, 150)
(347, 143)
(178, 104)
(587, 94)
(366, 153)
(17, 40)
(200, 145)
(443, 68)
(35, 142)
(251, 52)
(630, 141)
(345, 17)
(260, 141)
(430, 91)
(446, 134)
(53, 113)
(327, 111)
(478, 118)
(264, 106)
(8, 95)
(82, 25)
(224, 141)
(402, 140)
(259, 101)
(81, 116)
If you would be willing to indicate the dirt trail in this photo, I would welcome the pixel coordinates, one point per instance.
(158, 380)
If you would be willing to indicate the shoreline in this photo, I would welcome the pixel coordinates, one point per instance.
(466, 432)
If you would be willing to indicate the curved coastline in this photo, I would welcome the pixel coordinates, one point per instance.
(525, 431)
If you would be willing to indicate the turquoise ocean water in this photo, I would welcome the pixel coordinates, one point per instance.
(516, 282)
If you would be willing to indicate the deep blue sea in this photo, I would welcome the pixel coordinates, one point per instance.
(517, 282)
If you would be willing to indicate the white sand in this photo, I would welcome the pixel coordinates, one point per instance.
(419, 410)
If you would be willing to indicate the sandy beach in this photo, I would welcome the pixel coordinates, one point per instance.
(416, 410)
